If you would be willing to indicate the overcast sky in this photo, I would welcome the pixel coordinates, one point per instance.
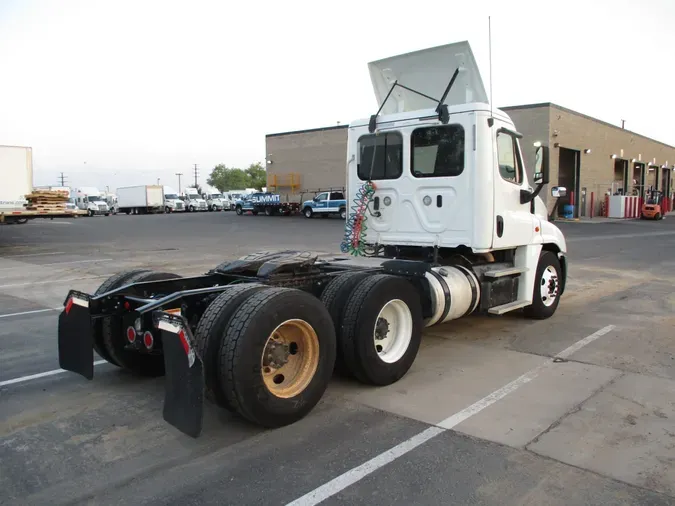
(123, 92)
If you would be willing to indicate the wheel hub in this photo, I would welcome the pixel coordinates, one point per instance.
(290, 358)
(276, 354)
(381, 329)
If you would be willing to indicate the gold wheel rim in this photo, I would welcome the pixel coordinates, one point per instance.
(290, 358)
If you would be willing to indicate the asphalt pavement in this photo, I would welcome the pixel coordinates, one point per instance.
(485, 416)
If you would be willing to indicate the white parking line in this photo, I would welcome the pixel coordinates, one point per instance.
(356, 474)
(59, 263)
(23, 379)
(30, 312)
(36, 254)
(50, 281)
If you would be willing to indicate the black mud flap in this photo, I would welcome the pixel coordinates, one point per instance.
(184, 380)
(76, 335)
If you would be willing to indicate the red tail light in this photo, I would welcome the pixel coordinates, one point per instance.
(148, 340)
(131, 334)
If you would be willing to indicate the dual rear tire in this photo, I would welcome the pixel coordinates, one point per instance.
(268, 353)
(378, 322)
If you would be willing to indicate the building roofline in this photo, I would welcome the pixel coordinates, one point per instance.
(308, 130)
(505, 109)
(585, 116)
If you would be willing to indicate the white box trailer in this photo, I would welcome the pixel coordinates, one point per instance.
(142, 199)
(16, 181)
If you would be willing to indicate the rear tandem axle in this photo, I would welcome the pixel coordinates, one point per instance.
(261, 336)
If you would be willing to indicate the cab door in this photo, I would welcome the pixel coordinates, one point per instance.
(321, 203)
(514, 223)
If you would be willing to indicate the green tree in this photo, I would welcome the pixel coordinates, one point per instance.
(226, 179)
(256, 176)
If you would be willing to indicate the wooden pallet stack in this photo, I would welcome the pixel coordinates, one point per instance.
(47, 200)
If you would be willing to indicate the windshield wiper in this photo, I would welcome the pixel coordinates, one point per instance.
(441, 108)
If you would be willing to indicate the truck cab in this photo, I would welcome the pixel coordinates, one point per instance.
(215, 200)
(193, 200)
(325, 204)
(172, 201)
(93, 201)
(440, 173)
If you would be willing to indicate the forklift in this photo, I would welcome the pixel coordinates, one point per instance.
(651, 209)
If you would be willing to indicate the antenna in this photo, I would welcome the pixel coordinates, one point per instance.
(490, 53)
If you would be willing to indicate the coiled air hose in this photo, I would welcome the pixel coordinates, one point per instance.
(354, 241)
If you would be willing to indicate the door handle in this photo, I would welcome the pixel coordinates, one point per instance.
(376, 203)
(439, 200)
(500, 226)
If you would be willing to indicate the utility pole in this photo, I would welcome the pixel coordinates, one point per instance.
(196, 172)
(623, 122)
(62, 177)
(179, 174)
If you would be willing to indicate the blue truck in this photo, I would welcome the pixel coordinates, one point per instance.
(264, 202)
(325, 204)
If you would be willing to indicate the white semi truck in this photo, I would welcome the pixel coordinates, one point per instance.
(443, 210)
(215, 200)
(193, 200)
(143, 199)
(91, 200)
(16, 181)
(172, 202)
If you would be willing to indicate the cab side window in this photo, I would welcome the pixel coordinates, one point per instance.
(322, 196)
(510, 166)
(337, 196)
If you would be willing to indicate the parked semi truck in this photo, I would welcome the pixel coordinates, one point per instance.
(143, 199)
(215, 200)
(91, 200)
(193, 200)
(443, 211)
(172, 202)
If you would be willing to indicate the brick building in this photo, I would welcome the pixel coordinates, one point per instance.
(588, 156)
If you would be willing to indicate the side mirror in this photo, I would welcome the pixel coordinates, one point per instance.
(558, 191)
(541, 165)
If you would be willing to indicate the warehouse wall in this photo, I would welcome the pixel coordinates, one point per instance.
(576, 131)
(319, 156)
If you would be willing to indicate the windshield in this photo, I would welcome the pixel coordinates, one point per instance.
(171, 196)
(216, 195)
(93, 199)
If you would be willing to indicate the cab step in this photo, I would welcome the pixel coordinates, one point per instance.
(511, 306)
(511, 271)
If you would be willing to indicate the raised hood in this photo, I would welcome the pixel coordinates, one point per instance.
(428, 71)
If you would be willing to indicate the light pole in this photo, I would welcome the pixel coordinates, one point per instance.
(179, 174)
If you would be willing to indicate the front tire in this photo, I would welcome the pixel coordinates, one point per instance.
(238, 210)
(546, 293)
(382, 329)
(277, 356)
(307, 211)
